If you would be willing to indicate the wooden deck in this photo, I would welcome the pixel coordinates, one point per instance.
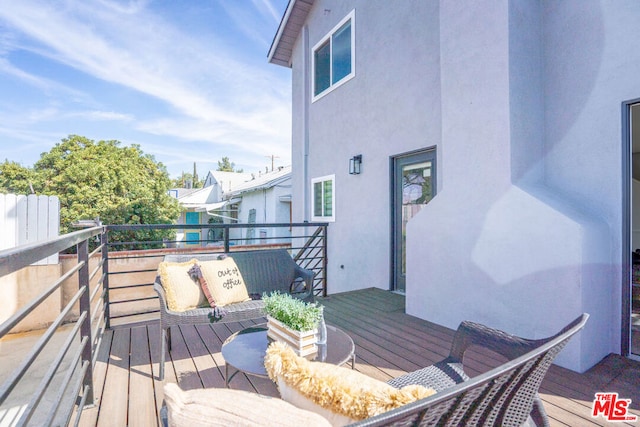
(388, 343)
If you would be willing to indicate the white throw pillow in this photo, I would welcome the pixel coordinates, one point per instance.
(224, 407)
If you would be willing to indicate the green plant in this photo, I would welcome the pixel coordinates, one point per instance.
(294, 313)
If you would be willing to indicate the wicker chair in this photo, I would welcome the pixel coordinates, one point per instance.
(262, 271)
(504, 396)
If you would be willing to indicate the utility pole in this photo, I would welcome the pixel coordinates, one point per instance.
(195, 175)
(272, 157)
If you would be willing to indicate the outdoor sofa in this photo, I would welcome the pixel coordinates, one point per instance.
(504, 396)
(263, 271)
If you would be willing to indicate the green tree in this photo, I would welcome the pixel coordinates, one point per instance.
(225, 165)
(119, 184)
(15, 178)
(181, 182)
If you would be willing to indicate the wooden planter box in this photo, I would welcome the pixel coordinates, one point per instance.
(303, 343)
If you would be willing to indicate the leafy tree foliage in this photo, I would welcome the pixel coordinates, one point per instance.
(119, 184)
(225, 165)
(15, 178)
(181, 182)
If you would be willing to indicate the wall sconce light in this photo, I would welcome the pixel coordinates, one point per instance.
(355, 164)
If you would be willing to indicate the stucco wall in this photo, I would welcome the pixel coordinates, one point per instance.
(522, 101)
(583, 113)
(390, 107)
(527, 258)
(269, 210)
(21, 287)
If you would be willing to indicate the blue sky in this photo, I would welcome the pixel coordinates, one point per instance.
(187, 80)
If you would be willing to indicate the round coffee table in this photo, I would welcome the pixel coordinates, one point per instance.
(245, 350)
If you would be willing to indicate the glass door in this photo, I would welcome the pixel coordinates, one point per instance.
(631, 302)
(413, 177)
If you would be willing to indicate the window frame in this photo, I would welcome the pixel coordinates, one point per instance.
(328, 38)
(322, 180)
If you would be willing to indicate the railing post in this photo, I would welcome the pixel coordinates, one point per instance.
(104, 241)
(85, 306)
(325, 261)
(226, 239)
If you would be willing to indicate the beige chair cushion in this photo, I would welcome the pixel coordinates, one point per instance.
(182, 292)
(344, 395)
(224, 407)
(224, 281)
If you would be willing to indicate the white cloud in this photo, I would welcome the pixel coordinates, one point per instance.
(213, 94)
(102, 116)
(256, 141)
(268, 6)
(127, 44)
(7, 68)
(52, 113)
(42, 83)
(32, 144)
(128, 7)
(249, 23)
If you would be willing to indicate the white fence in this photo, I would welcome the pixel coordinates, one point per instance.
(29, 219)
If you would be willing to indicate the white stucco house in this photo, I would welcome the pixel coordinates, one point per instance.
(208, 204)
(238, 198)
(193, 211)
(265, 199)
(224, 182)
(475, 155)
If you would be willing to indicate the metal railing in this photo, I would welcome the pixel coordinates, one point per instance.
(66, 388)
(306, 242)
(69, 378)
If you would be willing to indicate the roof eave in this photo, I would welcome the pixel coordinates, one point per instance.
(294, 17)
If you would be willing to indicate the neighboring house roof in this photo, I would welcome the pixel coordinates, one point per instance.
(228, 181)
(290, 26)
(198, 198)
(203, 200)
(263, 181)
(210, 207)
(182, 192)
(233, 184)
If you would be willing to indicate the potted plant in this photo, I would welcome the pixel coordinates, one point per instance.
(292, 321)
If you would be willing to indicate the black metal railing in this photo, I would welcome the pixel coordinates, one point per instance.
(112, 281)
(68, 381)
(306, 242)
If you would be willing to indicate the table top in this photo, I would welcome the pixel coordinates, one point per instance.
(245, 350)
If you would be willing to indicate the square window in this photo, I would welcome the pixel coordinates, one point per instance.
(323, 198)
(333, 58)
(322, 59)
(341, 58)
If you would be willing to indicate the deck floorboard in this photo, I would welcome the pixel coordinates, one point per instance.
(142, 400)
(115, 401)
(388, 343)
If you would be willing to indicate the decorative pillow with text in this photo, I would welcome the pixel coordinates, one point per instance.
(224, 281)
